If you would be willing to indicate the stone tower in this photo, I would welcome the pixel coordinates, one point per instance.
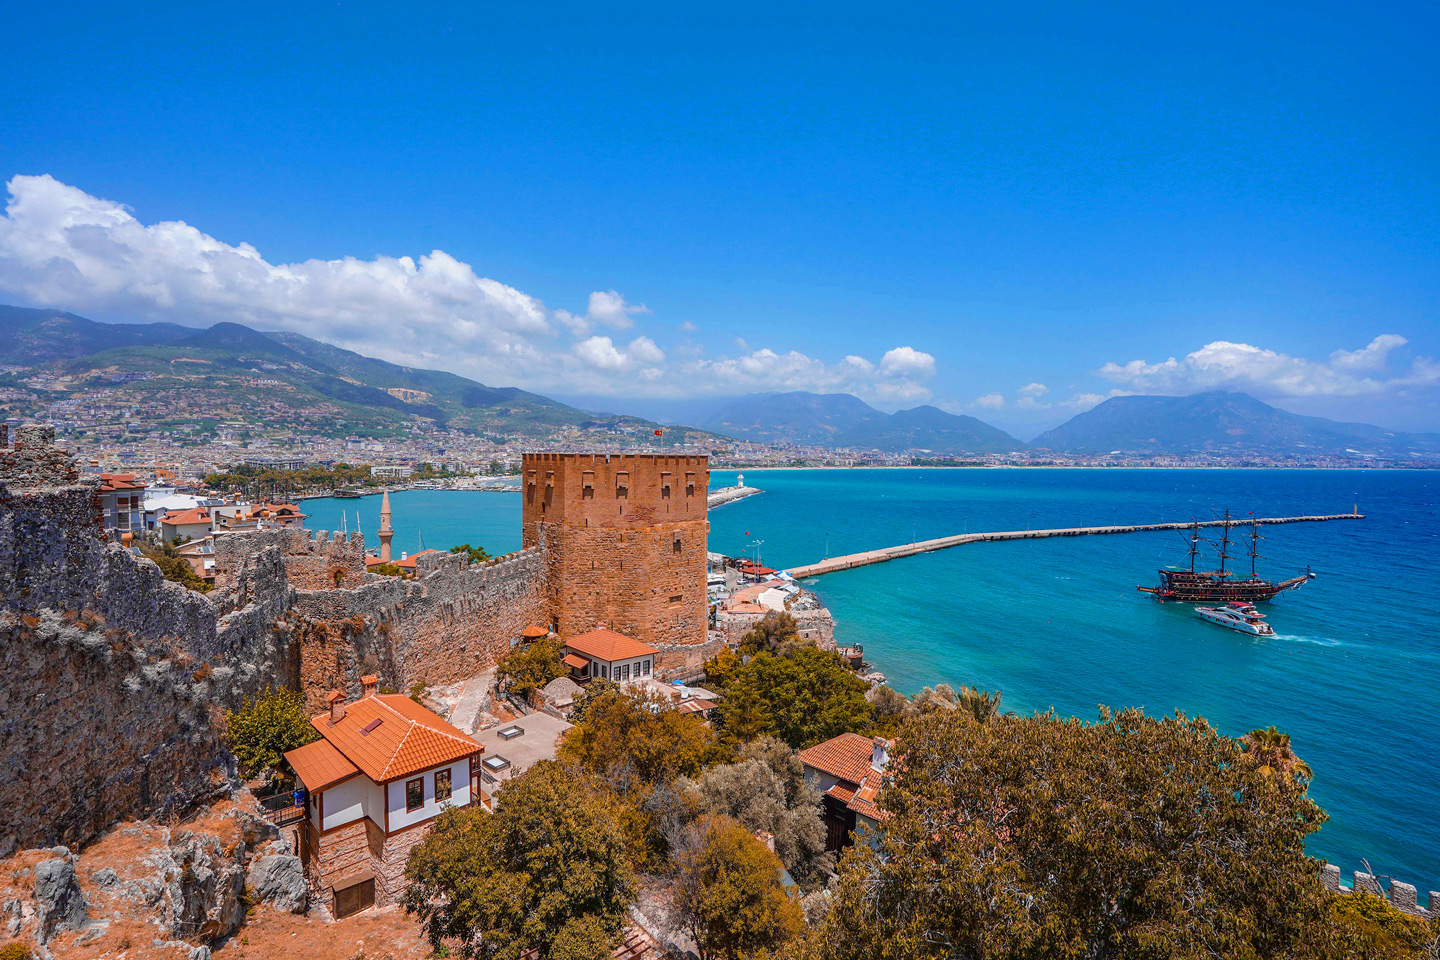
(386, 531)
(625, 542)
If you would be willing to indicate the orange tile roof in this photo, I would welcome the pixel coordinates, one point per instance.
(110, 482)
(863, 802)
(846, 757)
(409, 562)
(609, 646)
(572, 660)
(320, 765)
(535, 632)
(193, 515)
(407, 740)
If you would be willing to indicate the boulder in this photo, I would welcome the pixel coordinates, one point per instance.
(58, 898)
(280, 882)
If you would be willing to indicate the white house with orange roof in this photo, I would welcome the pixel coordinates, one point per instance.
(607, 655)
(848, 771)
(193, 524)
(383, 768)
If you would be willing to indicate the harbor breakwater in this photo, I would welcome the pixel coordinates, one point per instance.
(865, 558)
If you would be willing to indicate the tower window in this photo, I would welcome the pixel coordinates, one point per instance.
(675, 545)
(665, 492)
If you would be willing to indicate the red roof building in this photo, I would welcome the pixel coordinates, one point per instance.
(383, 768)
(848, 770)
(609, 655)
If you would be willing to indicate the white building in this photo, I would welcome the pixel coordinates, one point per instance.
(605, 654)
(382, 770)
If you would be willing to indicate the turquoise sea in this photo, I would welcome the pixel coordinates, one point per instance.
(1353, 675)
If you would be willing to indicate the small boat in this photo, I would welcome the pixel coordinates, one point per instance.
(348, 494)
(1238, 615)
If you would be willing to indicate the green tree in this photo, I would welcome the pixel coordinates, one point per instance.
(1130, 837)
(721, 669)
(265, 728)
(729, 894)
(541, 873)
(978, 705)
(642, 733)
(803, 698)
(389, 570)
(174, 567)
(765, 789)
(774, 631)
(584, 938)
(531, 666)
(1269, 748)
(476, 554)
(1378, 931)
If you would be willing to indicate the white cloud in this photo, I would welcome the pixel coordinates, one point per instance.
(62, 247)
(688, 326)
(609, 307)
(1034, 390)
(991, 401)
(1242, 366)
(1370, 357)
(601, 353)
(907, 363)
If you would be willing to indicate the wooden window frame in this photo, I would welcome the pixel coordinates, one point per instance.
(421, 805)
(449, 789)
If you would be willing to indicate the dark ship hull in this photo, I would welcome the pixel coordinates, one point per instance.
(1187, 587)
(1222, 586)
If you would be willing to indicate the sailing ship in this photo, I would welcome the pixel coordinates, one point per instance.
(1222, 585)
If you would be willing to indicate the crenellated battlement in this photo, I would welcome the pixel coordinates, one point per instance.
(1402, 896)
(313, 559)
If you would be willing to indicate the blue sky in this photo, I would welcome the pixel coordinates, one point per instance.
(1008, 213)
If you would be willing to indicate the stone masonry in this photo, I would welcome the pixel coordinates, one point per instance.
(626, 538)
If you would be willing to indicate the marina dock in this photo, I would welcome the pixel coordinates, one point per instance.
(853, 560)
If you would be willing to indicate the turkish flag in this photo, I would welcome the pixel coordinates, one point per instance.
(659, 432)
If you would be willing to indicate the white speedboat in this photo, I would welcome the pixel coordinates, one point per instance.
(1238, 615)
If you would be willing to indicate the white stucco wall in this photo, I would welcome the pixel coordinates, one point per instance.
(346, 802)
(460, 796)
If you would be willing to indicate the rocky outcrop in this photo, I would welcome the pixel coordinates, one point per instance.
(59, 903)
(280, 881)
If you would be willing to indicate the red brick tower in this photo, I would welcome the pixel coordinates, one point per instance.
(626, 538)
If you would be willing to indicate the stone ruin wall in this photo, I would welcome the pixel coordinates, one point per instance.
(313, 561)
(114, 677)
(452, 620)
(1402, 896)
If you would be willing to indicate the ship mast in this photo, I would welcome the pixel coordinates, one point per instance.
(1255, 539)
(1194, 542)
(1225, 542)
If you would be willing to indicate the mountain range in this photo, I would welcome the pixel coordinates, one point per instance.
(180, 375)
(284, 378)
(841, 420)
(1226, 424)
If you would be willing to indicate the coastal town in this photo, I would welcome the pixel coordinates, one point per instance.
(430, 688)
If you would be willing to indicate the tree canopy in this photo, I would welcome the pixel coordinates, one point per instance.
(729, 893)
(531, 666)
(803, 697)
(475, 554)
(547, 871)
(1041, 836)
(266, 727)
(765, 790)
(642, 733)
(174, 567)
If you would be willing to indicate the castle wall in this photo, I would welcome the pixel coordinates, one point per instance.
(626, 539)
(313, 561)
(113, 677)
(453, 620)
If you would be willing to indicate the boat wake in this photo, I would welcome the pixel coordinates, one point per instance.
(1317, 641)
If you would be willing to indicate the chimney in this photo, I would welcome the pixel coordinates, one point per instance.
(369, 685)
(879, 753)
(337, 706)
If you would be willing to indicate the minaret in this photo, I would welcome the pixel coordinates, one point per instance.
(386, 531)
